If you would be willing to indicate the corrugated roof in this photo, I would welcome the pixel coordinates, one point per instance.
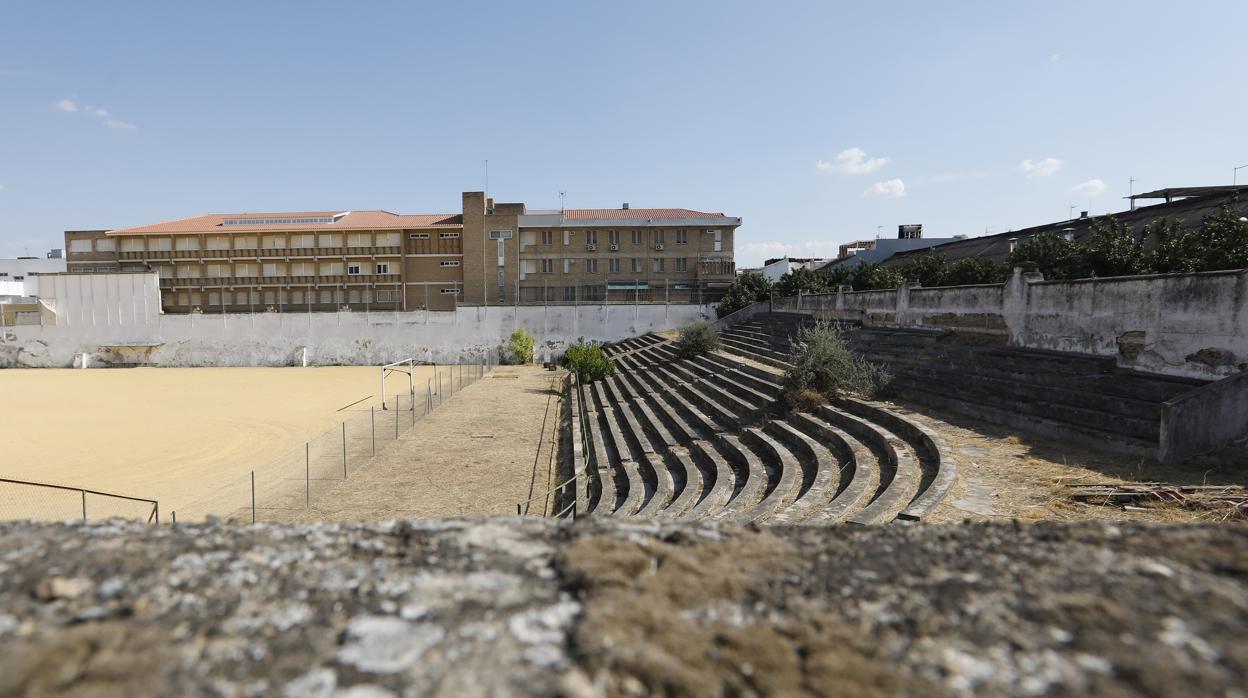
(625, 213)
(354, 220)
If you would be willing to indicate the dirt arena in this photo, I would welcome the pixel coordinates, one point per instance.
(187, 437)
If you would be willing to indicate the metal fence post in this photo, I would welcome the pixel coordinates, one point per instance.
(174, 514)
(344, 450)
(84, 506)
(372, 427)
(307, 474)
(253, 496)
(396, 416)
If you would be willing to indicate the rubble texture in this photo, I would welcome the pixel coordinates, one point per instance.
(622, 607)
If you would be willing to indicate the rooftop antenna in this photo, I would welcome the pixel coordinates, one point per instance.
(563, 193)
(1235, 174)
(879, 230)
(1071, 215)
(487, 179)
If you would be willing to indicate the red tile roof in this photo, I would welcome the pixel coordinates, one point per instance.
(575, 213)
(354, 220)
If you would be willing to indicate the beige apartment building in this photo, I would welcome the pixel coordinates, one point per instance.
(488, 254)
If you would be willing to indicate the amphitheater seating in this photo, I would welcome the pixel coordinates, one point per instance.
(708, 438)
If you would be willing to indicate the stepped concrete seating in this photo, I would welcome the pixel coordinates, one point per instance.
(629, 483)
(819, 477)
(692, 489)
(1073, 397)
(655, 482)
(783, 474)
(720, 486)
(603, 500)
(750, 477)
(938, 468)
(898, 470)
(858, 476)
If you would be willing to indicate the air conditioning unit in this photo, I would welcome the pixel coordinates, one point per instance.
(591, 247)
(615, 248)
(658, 246)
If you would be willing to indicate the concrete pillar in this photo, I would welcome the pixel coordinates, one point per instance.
(1014, 302)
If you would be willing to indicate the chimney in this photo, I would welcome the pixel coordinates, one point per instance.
(625, 206)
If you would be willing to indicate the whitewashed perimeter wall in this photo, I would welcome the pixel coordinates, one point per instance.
(355, 338)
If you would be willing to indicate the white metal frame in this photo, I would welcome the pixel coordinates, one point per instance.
(407, 366)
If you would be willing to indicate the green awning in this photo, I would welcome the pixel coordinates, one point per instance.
(627, 286)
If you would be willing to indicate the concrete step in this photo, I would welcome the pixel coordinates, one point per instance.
(732, 348)
(603, 501)
(750, 477)
(784, 474)
(719, 473)
(820, 473)
(693, 488)
(938, 467)
(859, 470)
(899, 471)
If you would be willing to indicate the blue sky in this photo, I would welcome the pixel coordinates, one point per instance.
(816, 122)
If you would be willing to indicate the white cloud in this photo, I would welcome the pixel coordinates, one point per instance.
(123, 125)
(1090, 188)
(1041, 168)
(1, 187)
(1055, 57)
(95, 111)
(852, 161)
(888, 189)
(67, 105)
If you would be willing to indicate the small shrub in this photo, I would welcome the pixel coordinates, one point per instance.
(588, 362)
(696, 339)
(520, 344)
(824, 364)
(804, 400)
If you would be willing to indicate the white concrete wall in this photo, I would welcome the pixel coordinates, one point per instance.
(120, 299)
(1193, 325)
(27, 270)
(278, 339)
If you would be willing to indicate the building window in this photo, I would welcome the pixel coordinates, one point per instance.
(166, 272)
(548, 237)
(448, 236)
(188, 271)
(389, 239)
(302, 269)
(636, 265)
(218, 242)
(383, 268)
(591, 237)
(244, 269)
(548, 266)
(568, 265)
(186, 243)
(303, 241)
(160, 244)
(329, 240)
(658, 265)
(359, 239)
(419, 236)
(449, 263)
(613, 265)
(449, 291)
(353, 269)
(591, 266)
(272, 242)
(105, 245)
(658, 237)
(274, 269)
(331, 268)
(245, 242)
(682, 237)
(682, 264)
(132, 245)
(216, 270)
(613, 237)
(639, 237)
(79, 245)
(567, 237)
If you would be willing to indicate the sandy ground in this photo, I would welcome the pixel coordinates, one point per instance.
(482, 452)
(187, 437)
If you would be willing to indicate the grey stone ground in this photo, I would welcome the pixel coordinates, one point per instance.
(531, 607)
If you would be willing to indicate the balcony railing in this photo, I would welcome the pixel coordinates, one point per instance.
(310, 280)
(284, 253)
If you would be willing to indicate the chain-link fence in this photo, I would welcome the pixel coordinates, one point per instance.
(275, 489)
(280, 488)
(21, 499)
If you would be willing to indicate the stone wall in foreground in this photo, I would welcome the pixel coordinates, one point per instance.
(354, 338)
(511, 606)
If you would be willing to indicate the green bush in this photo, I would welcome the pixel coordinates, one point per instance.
(588, 361)
(870, 276)
(824, 363)
(696, 339)
(747, 289)
(975, 270)
(520, 344)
